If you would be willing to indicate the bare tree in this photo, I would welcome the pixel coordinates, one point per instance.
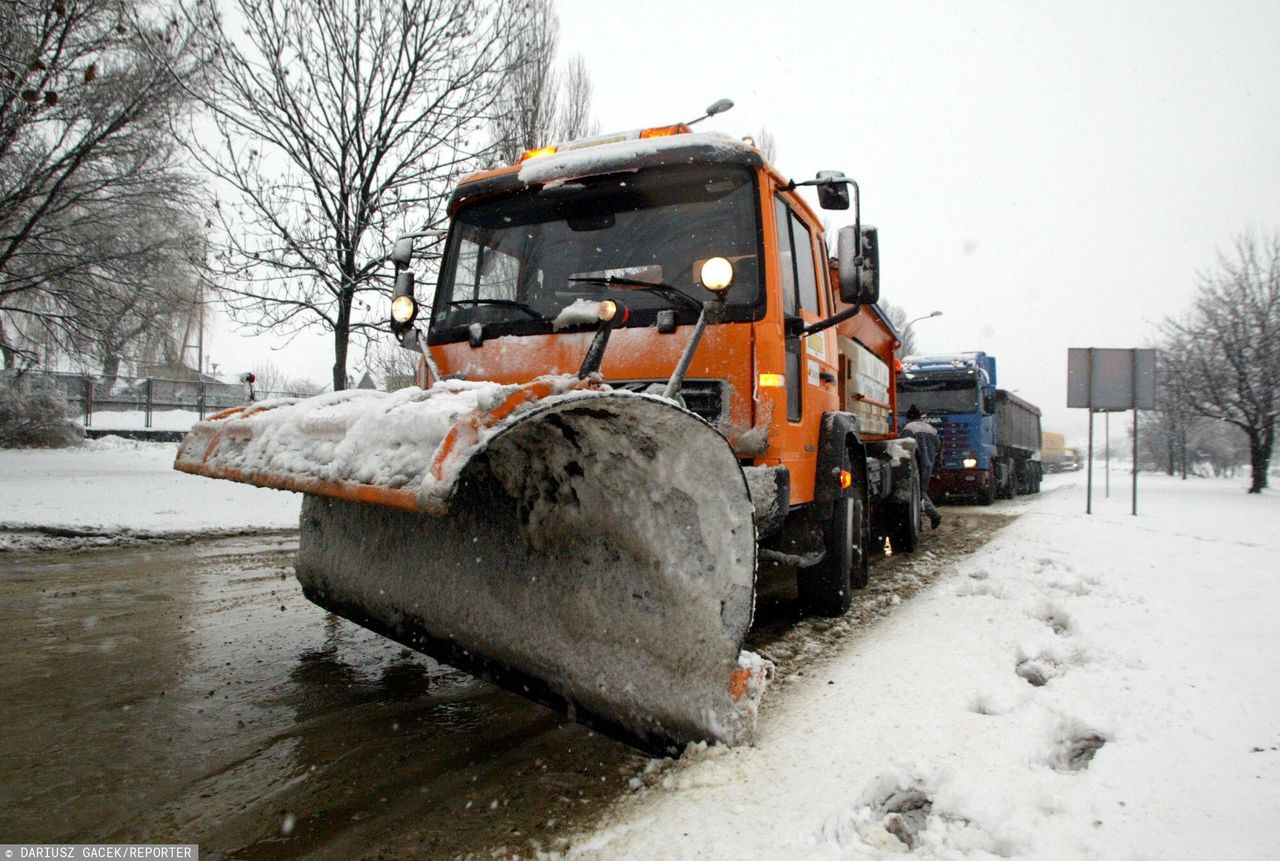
(270, 381)
(337, 125)
(394, 367)
(768, 145)
(573, 119)
(898, 317)
(1228, 347)
(525, 111)
(540, 104)
(87, 93)
(1169, 431)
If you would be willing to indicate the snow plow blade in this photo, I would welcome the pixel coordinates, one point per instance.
(589, 549)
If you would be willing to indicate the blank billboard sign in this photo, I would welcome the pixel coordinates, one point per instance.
(1106, 379)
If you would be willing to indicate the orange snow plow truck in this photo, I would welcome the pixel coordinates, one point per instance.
(641, 378)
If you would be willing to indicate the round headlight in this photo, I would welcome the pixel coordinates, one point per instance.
(717, 274)
(607, 310)
(969, 462)
(403, 309)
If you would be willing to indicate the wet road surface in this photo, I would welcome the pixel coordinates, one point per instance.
(191, 694)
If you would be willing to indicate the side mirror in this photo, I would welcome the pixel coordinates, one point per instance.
(858, 257)
(833, 190)
(988, 404)
(402, 252)
(870, 266)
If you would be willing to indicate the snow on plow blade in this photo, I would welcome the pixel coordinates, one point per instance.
(589, 549)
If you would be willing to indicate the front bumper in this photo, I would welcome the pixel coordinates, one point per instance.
(946, 483)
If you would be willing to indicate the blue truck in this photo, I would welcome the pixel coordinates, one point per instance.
(990, 437)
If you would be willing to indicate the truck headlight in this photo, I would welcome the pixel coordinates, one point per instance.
(403, 309)
(969, 462)
(717, 274)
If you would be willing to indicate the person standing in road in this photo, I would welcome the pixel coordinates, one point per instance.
(928, 450)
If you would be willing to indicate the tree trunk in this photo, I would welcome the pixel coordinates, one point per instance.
(7, 353)
(340, 338)
(1260, 457)
(342, 335)
(110, 370)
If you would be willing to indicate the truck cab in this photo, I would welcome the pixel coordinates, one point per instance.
(956, 394)
(793, 364)
(990, 437)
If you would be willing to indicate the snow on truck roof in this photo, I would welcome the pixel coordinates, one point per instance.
(608, 154)
(591, 157)
(959, 360)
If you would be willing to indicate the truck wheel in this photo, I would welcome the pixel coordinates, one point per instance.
(1010, 489)
(987, 495)
(904, 534)
(826, 589)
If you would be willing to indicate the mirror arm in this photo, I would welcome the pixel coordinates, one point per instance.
(434, 233)
(712, 312)
(833, 320)
(426, 354)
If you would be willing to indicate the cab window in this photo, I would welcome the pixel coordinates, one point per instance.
(795, 259)
(786, 259)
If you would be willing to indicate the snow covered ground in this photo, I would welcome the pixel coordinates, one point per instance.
(137, 419)
(112, 491)
(1083, 687)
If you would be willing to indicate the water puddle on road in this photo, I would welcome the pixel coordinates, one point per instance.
(191, 694)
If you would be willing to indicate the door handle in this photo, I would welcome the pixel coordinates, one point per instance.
(827, 377)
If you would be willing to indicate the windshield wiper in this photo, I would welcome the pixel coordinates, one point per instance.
(504, 303)
(666, 291)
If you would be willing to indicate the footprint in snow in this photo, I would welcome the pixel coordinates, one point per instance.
(905, 813)
(1075, 748)
(1042, 660)
(1058, 619)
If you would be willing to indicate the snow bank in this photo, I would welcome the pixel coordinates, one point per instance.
(1083, 687)
(116, 486)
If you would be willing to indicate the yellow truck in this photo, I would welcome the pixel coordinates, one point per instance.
(1054, 454)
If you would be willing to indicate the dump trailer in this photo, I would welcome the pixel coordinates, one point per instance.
(1055, 456)
(990, 437)
(641, 378)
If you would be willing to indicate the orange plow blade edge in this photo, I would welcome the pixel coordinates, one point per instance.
(590, 549)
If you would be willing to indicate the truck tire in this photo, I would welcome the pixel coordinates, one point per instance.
(987, 495)
(826, 589)
(904, 533)
(1010, 489)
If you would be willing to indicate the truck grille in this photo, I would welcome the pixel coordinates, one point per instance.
(954, 437)
(703, 398)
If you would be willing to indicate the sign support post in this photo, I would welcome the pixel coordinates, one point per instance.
(1107, 380)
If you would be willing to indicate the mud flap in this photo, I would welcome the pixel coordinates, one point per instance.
(593, 550)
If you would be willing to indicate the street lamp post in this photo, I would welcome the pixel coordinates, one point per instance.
(907, 328)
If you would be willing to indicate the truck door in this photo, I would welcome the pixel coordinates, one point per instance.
(811, 368)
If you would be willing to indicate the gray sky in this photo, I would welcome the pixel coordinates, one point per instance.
(1047, 175)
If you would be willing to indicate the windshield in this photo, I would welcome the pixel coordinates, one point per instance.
(934, 397)
(514, 262)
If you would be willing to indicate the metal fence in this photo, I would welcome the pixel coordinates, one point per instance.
(136, 404)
